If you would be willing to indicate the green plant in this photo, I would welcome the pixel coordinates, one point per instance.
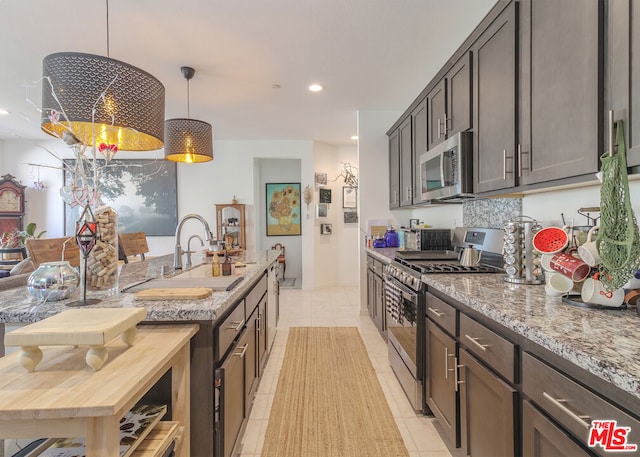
(16, 238)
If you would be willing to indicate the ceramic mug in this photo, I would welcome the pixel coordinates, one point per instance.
(588, 251)
(593, 291)
(570, 266)
(633, 282)
(558, 285)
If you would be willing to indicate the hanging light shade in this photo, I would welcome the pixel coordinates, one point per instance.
(188, 140)
(103, 99)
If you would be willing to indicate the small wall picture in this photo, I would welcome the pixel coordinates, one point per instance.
(322, 210)
(350, 217)
(325, 196)
(349, 197)
(413, 223)
(321, 179)
(325, 229)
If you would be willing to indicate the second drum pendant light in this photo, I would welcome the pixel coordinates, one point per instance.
(188, 140)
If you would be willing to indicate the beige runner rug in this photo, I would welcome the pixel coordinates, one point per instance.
(328, 401)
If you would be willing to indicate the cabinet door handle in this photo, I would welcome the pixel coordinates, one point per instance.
(446, 363)
(519, 160)
(504, 164)
(435, 311)
(475, 341)
(244, 349)
(439, 129)
(258, 321)
(560, 404)
(237, 325)
(447, 123)
(457, 376)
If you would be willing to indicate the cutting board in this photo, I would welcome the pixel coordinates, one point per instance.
(168, 293)
(78, 327)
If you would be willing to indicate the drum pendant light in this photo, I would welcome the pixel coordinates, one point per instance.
(102, 100)
(188, 140)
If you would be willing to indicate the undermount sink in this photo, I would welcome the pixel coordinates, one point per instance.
(201, 271)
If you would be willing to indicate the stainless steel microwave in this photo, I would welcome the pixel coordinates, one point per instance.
(446, 170)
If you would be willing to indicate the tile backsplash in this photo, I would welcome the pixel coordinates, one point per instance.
(490, 212)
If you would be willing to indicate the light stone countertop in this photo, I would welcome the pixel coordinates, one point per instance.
(605, 343)
(17, 306)
(602, 342)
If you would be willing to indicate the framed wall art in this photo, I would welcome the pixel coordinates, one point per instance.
(321, 179)
(349, 197)
(283, 209)
(142, 191)
(325, 196)
(326, 229)
(322, 210)
(350, 217)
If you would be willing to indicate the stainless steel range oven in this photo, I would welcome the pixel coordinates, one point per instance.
(405, 307)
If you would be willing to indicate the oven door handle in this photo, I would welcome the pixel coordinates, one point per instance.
(406, 293)
(409, 297)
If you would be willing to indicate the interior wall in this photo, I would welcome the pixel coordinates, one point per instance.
(199, 186)
(278, 171)
(373, 180)
(336, 255)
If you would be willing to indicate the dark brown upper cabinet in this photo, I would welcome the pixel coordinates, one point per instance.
(437, 106)
(394, 169)
(622, 80)
(494, 103)
(419, 126)
(406, 164)
(449, 103)
(560, 119)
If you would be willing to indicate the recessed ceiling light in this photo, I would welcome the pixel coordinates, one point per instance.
(315, 87)
(2, 111)
(354, 137)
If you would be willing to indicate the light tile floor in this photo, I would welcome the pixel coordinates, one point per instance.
(338, 307)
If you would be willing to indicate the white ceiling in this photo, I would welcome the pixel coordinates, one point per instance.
(369, 55)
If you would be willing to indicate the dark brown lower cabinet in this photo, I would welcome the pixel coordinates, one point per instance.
(261, 336)
(542, 438)
(487, 411)
(232, 408)
(251, 354)
(441, 391)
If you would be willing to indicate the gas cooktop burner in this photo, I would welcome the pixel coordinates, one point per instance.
(430, 268)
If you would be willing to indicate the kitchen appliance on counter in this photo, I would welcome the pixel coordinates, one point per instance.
(405, 306)
(446, 169)
(521, 260)
(424, 239)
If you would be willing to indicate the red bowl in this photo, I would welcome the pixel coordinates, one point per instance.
(550, 240)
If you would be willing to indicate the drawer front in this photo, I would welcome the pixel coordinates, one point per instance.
(542, 438)
(445, 315)
(570, 404)
(489, 347)
(255, 295)
(230, 328)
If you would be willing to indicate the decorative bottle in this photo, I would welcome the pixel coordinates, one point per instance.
(226, 266)
(215, 265)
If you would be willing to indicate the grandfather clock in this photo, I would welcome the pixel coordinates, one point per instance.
(11, 204)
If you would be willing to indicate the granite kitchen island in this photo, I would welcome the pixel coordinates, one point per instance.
(245, 315)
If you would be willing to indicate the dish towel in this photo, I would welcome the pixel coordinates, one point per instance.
(393, 296)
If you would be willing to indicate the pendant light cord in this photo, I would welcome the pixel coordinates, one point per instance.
(188, 97)
(107, 2)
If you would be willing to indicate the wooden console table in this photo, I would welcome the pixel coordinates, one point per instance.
(65, 398)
